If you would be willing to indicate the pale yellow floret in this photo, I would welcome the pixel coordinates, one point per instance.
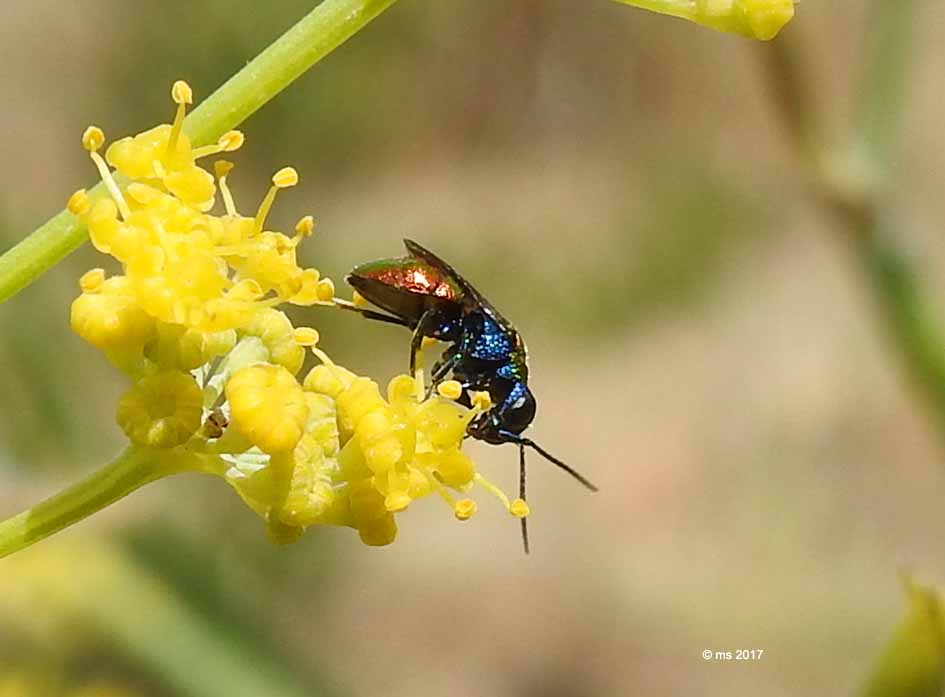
(357, 299)
(268, 407)
(326, 290)
(465, 509)
(161, 411)
(247, 289)
(108, 316)
(275, 330)
(79, 203)
(93, 138)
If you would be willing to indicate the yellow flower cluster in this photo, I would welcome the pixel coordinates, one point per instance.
(192, 321)
(755, 19)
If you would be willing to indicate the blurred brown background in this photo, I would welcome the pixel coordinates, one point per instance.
(703, 346)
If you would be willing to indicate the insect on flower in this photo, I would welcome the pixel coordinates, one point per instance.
(486, 353)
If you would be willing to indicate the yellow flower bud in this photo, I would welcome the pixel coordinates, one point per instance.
(161, 411)
(79, 203)
(107, 319)
(268, 407)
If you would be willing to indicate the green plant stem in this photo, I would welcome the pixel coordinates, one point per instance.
(852, 186)
(134, 468)
(319, 33)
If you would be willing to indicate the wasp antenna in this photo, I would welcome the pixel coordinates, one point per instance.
(551, 458)
(521, 493)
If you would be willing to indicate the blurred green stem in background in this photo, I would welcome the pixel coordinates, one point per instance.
(853, 186)
(913, 662)
(84, 591)
(134, 468)
(319, 33)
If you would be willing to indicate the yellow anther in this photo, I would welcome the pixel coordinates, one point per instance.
(465, 509)
(222, 167)
(285, 177)
(358, 300)
(305, 336)
(305, 226)
(79, 203)
(325, 290)
(481, 400)
(91, 281)
(231, 140)
(181, 93)
(450, 389)
(93, 138)
(519, 508)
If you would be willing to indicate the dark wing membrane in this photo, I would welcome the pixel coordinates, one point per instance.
(472, 297)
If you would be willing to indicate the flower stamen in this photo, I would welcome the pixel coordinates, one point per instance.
(283, 179)
(92, 140)
(182, 96)
(228, 142)
(221, 168)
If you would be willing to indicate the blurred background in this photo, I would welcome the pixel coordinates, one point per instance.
(704, 345)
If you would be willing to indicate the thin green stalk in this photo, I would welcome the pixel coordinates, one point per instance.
(852, 186)
(319, 33)
(134, 468)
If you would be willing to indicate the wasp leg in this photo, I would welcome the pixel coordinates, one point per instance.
(440, 370)
(426, 325)
(371, 314)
